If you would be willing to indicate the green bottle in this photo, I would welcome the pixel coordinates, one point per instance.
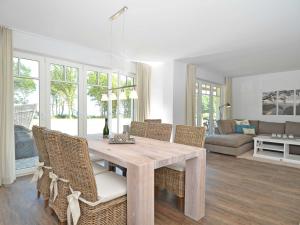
(105, 129)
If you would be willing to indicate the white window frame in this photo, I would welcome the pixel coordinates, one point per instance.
(42, 96)
(65, 63)
(199, 101)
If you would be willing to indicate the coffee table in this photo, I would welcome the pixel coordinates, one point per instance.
(275, 148)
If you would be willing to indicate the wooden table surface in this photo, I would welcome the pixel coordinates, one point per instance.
(141, 159)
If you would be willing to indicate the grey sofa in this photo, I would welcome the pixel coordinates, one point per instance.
(226, 141)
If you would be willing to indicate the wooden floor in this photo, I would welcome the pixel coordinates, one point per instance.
(239, 192)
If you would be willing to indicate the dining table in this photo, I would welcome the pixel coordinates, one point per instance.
(141, 159)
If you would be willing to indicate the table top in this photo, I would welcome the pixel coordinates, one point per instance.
(144, 151)
(295, 141)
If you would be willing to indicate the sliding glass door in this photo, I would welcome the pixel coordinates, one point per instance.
(208, 101)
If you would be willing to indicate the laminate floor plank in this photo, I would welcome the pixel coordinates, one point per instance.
(238, 192)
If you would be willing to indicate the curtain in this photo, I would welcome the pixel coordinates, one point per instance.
(143, 90)
(190, 94)
(7, 144)
(228, 98)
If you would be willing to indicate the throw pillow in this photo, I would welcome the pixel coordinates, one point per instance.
(239, 128)
(249, 131)
(242, 122)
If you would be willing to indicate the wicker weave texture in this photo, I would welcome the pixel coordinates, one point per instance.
(44, 182)
(153, 120)
(159, 131)
(57, 162)
(189, 135)
(138, 128)
(79, 172)
(173, 180)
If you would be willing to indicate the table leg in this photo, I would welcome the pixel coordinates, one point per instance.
(195, 187)
(140, 194)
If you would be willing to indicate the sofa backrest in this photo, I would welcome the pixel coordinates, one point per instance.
(271, 127)
(226, 126)
(292, 128)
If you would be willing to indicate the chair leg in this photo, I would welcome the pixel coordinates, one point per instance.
(46, 203)
(180, 203)
(38, 194)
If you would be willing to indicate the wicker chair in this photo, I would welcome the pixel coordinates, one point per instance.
(43, 183)
(159, 131)
(172, 178)
(57, 162)
(102, 201)
(138, 128)
(153, 120)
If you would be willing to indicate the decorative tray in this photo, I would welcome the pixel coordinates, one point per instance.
(118, 141)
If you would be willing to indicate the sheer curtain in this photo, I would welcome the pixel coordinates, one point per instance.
(7, 145)
(190, 94)
(143, 90)
(228, 97)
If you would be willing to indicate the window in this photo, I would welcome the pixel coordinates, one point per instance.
(97, 110)
(119, 109)
(125, 105)
(64, 98)
(26, 110)
(208, 101)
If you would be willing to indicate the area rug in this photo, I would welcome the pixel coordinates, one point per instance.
(249, 156)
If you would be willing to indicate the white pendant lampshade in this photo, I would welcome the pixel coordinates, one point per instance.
(122, 95)
(104, 98)
(133, 94)
(113, 96)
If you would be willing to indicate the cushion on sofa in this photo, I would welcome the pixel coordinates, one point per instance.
(229, 140)
(270, 127)
(292, 128)
(226, 126)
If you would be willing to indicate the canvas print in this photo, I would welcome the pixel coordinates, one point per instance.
(298, 102)
(286, 102)
(269, 103)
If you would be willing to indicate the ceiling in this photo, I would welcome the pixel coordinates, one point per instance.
(236, 37)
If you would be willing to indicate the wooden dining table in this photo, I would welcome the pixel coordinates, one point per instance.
(141, 159)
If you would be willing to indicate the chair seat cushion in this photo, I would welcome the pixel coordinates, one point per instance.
(98, 168)
(229, 140)
(110, 186)
(180, 166)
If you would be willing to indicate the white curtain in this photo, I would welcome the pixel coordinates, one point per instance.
(7, 144)
(190, 94)
(143, 90)
(228, 98)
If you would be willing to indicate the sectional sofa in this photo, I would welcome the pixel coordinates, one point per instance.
(226, 141)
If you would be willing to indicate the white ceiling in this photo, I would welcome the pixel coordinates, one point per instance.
(237, 37)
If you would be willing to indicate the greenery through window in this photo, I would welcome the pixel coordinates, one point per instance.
(64, 98)
(97, 110)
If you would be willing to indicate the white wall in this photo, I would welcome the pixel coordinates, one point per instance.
(168, 90)
(161, 94)
(46, 46)
(179, 94)
(247, 94)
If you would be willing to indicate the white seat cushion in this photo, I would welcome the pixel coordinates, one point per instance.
(110, 186)
(180, 166)
(98, 168)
